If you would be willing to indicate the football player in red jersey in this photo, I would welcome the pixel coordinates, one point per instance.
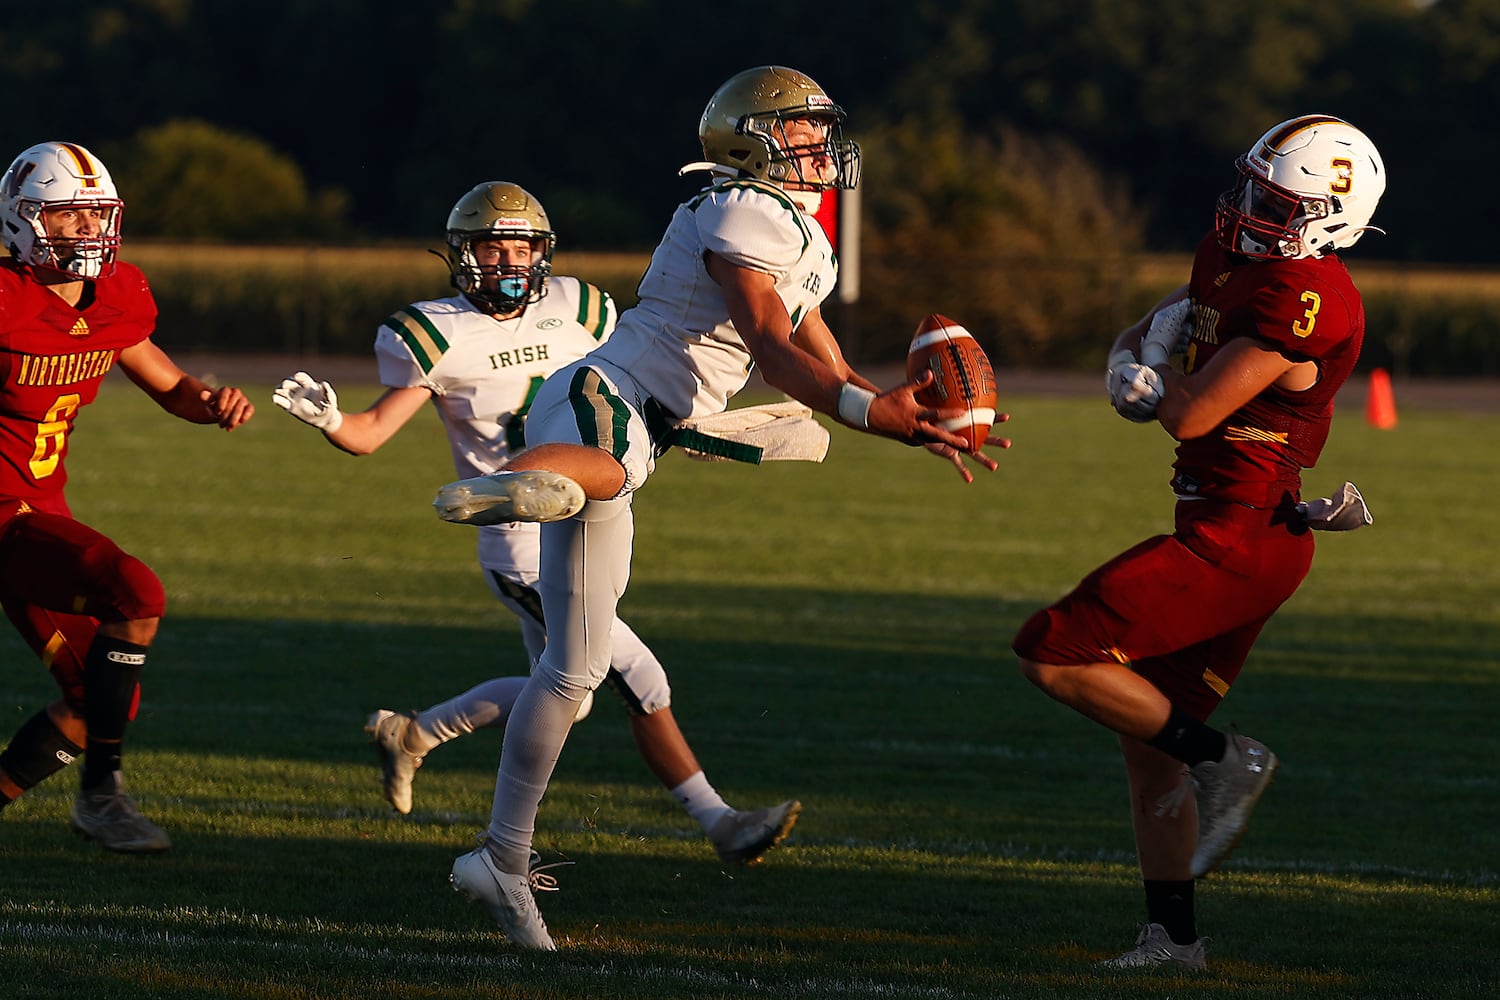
(69, 312)
(1264, 333)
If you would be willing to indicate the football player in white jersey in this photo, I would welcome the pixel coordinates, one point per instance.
(736, 283)
(479, 356)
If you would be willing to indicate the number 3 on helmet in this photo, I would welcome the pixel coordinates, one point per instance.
(54, 175)
(1308, 186)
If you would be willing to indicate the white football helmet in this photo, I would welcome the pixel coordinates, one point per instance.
(59, 175)
(1308, 186)
(500, 210)
(743, 134)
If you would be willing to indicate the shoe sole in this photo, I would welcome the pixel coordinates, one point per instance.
(152, 848)
(532, 495)
(756, 853)
(1120, 965)
(1200, 869)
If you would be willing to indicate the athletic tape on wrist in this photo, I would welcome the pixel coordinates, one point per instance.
(854, 405)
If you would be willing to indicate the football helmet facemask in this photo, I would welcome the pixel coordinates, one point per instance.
(744, 132)
(1308, 186)
(499, 210)
(53, 175)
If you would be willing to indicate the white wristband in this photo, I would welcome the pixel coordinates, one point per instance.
(854, 405)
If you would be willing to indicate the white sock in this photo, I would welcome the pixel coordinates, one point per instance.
(700, 800)
(486, 705)
(534, 739)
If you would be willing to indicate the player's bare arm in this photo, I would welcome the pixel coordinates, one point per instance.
(815, 338)
(181, 394)
(761, 320)
(364, 432)
(1192, 405)
(316, 404)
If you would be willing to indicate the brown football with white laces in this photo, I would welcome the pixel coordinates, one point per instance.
(963, 378)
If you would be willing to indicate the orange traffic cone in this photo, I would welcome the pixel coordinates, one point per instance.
(1380, 404)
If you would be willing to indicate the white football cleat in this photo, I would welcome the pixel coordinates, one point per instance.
(108, 814)
(1154, 948)
(529, 495)
(1227, 793)
(398, 765)
(507, 897)
(745, 837)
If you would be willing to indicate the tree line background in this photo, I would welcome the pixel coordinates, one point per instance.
(1019, 154)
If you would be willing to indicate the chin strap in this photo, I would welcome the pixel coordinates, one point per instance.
(714, 168)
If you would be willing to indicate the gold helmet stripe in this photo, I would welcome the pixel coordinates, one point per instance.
(86, 168)
(1295, 127)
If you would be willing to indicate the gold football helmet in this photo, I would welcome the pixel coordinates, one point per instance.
(499, 210)
(744, 132)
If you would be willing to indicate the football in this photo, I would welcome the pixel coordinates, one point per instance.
(963, 377)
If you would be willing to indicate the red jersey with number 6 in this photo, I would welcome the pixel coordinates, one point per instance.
(52, 358)
(1307, 309)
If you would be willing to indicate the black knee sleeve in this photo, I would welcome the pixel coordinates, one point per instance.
(37, 751)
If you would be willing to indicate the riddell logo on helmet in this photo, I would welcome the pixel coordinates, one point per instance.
(128, 659)
(503, 223)
(819, 101)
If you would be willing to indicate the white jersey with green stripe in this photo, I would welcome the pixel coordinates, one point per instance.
(483, 372)
(678, 343)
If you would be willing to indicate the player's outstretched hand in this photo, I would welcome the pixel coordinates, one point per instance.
(896, 413)
(956, 457)
(229, 406)
(310, 401)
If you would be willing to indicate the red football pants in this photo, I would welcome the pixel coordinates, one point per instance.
(59, 579)
(1182, 609)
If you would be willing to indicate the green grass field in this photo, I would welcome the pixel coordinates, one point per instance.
(837, 633)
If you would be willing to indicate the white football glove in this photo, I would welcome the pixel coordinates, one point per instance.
(310, 401)
(1135, 391)
(1344, 511)
(1170, 329)
(1116, 361)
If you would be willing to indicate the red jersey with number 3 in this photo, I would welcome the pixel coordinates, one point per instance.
(1309, 310)
(52, 358)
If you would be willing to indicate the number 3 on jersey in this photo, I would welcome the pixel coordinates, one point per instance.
(52, 435)
(1304, 326)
